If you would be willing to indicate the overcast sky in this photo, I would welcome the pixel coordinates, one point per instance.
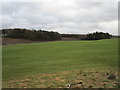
(68, 17)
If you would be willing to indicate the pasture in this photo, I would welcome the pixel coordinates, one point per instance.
(22, 60)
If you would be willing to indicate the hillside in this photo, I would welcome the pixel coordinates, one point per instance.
(23, 60)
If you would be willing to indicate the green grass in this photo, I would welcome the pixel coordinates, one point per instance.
(90, 77)
(27, 59)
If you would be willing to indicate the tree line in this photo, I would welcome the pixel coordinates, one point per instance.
(42, 35)
(97, 36)
(38, 35)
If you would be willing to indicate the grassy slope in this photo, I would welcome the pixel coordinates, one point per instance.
(25, 59)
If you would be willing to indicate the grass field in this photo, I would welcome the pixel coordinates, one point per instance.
(23, 60)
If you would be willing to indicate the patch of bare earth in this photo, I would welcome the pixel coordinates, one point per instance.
(69, 39)
(10, 41)
(89, 78)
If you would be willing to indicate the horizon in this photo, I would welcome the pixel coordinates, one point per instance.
(61, 33)
(68, 17)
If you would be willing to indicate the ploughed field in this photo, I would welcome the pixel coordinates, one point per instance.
(56, 64)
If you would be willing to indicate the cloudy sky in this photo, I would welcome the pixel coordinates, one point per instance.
(63, 17)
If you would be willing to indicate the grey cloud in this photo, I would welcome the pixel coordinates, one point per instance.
(64, 18)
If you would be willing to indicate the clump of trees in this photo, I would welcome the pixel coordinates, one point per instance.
(38, 35)
(97, 36)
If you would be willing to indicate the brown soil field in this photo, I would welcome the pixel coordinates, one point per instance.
(10, 41)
